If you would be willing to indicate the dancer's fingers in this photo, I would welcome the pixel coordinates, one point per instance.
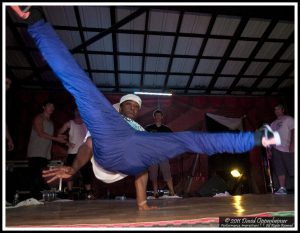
(49, 174)
(52, 179)
(51, 171)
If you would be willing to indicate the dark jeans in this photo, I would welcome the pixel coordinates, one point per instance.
(37, 183)
(283, 165)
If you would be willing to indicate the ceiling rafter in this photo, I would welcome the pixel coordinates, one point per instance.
(110, 30)
(152, 33)
(254, 52)
(115, 47)
(274, 60)
(157, 72)
(228, 51)
(278, 21)
(280, 80)
(279, 12)
(144, 54)
(200, 53)
(144, 50)
(87, 60)
(26, 52)
(182, 88)
(179, 22)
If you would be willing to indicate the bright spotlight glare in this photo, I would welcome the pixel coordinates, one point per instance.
(235, 173)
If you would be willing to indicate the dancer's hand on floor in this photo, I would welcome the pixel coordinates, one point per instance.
(53, 174)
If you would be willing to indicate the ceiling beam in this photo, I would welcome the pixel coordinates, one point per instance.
(144, 50)
(274, 60)
(179, 22)
(87, 60)
(26, 52)
(110, 30)
(228, 51)
(280, 80)
(160, 33)
(239, 89)
(279, 12)
(144, 54)
(200, 53)
(152, 72)
(252, 55)
(115, 47)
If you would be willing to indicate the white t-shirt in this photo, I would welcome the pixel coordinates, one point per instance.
(101, 173)
(104, 175)
(77, 133)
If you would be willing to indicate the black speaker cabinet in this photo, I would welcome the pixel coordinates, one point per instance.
(213, 186)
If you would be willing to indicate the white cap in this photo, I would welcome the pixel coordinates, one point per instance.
(124, 98)
(132, 97)
(117, 107)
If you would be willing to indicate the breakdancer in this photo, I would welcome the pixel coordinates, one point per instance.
(114, 145)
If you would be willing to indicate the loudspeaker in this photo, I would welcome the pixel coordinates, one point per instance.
(213, 186)
(16, 179)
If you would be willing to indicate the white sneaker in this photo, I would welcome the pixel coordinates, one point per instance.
(270, 137)
(281, 191)
(169, 196)
(269, 133)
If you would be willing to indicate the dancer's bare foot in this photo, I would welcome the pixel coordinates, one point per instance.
(145, 206)
(29, 14)
(20, 13)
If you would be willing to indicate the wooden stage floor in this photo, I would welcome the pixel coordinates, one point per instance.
(123, 213)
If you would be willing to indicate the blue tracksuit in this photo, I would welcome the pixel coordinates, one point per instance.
(116, 145)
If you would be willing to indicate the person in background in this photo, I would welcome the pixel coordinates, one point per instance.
(164, 166)
(282, 156)
(39, 148)
(9, 140)
(76, 134)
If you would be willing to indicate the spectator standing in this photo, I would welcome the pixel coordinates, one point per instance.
(164, 166)
(283, 155)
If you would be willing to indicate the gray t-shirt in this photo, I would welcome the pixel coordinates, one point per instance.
(284, 126)
(38, 146)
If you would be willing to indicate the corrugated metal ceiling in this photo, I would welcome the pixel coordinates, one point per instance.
(187, 50)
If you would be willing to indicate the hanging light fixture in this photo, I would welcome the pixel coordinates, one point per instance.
(152, 93)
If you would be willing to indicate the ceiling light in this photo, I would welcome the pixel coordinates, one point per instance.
(151, 93)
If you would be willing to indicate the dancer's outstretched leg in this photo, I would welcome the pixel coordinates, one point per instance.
(151, 148)
(96, 110)
(109, 131)
(101, 119)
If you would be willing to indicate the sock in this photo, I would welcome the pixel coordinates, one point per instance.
(36, 14)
